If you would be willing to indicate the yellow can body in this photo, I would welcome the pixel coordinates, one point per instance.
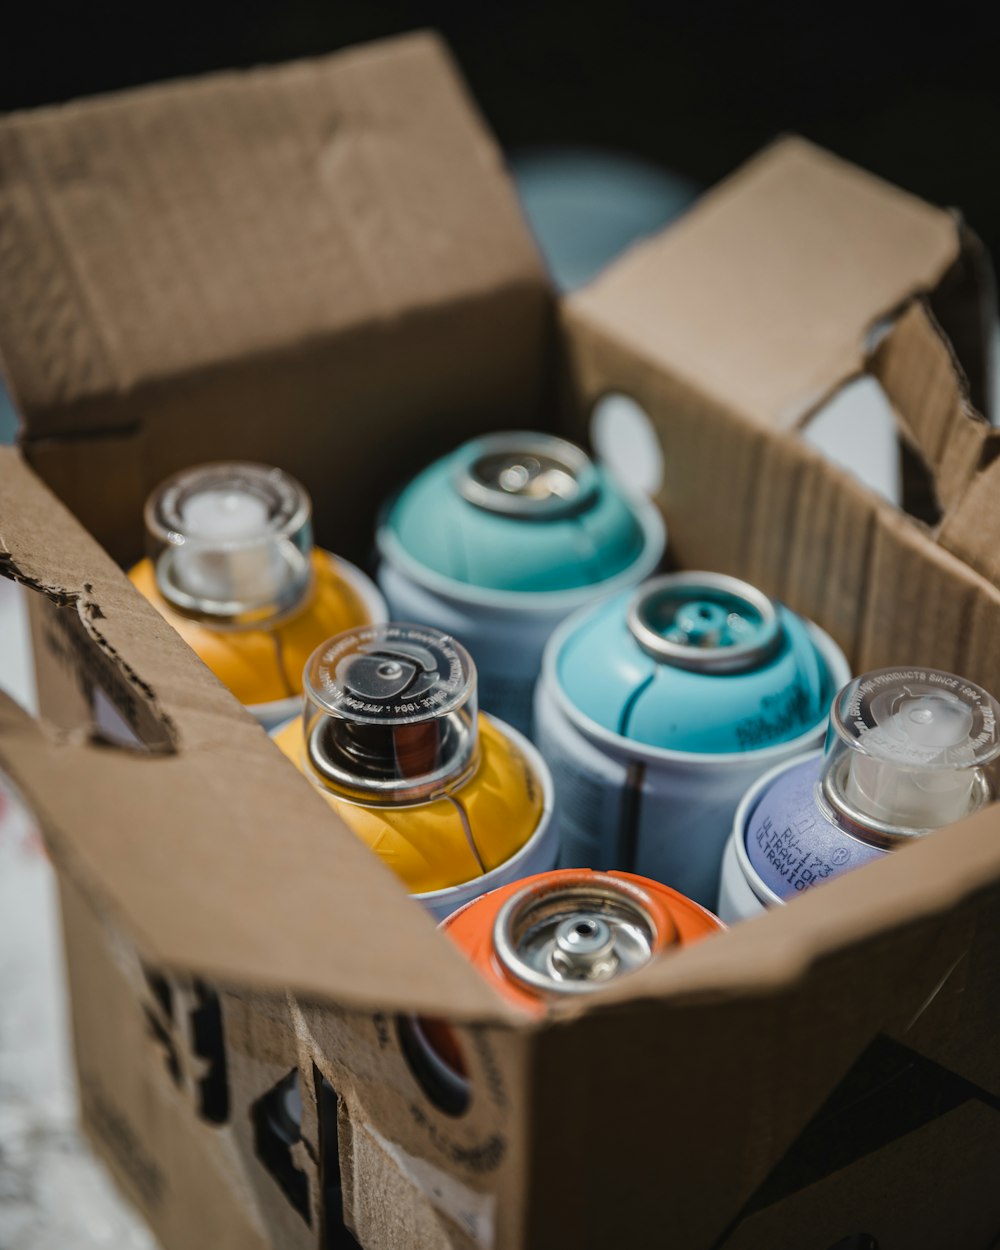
(455, 838)
(263, 666)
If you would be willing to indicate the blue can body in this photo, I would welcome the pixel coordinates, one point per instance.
(503, 580)
(650, 758)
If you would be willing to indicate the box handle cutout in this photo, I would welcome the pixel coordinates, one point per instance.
(626, 441)
(277, 1127)
(856, 429)
(88, 685)
(334, 1233)
(434, 1056)
(209, 1044)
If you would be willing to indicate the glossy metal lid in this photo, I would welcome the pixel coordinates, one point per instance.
(526, 475)
(573, 938)
(519, 513)
(697, 663)
(706, 622)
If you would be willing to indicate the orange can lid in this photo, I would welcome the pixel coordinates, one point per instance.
(573, 931)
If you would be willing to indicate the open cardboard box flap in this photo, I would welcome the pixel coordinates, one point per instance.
(317, 264)
(208, 848)
(763, 296)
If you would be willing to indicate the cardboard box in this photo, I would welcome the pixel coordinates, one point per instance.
(323, 265)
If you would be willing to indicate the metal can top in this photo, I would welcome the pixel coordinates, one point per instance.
(230, 542)
(519, 512)
(696, 663)
(705, 622)
(561, 936)
(910, 750)
(390, 713)
(526, 475)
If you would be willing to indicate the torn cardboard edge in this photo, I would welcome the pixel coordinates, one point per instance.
(735, 328)
(107, 681)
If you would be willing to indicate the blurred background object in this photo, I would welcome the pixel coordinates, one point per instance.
(693, 88)
(586, 205)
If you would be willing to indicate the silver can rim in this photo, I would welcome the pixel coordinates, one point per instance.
(554, 604)
(696, 659)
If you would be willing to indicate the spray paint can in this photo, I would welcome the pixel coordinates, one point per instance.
(572, 931)
(232, 567)
(500, 541)
(908, 750)
(551, 937)
(456, 803)
(656, 710)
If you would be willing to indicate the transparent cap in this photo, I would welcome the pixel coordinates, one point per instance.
(910, 750)
(704, 621)
(391, 714)
(230, 542)
(526, 475)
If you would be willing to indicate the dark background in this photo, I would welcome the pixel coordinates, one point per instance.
(908, 91)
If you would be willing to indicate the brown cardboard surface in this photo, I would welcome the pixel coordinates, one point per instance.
(771, 510)
(216, 865)
(763, 296)
(291, 203)
(170, 1163)
(919, 373)
(267, 265)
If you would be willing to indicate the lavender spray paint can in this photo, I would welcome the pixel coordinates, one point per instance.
(908, 751)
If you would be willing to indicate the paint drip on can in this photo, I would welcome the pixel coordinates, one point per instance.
(456, 803)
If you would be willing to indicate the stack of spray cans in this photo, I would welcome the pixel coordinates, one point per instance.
(675, 769)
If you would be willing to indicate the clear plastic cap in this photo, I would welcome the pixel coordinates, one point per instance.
(230, 541)
(391, 713)
(908, 750)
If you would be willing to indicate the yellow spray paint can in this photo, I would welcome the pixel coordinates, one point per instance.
(232, 567)
(456, 803)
